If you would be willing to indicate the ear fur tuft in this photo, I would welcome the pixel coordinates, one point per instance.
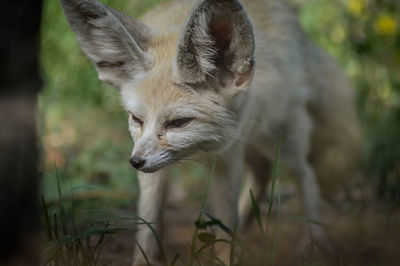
(113, 41)
(216, 44)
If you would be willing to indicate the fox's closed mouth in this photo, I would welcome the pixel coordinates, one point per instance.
(151, 169)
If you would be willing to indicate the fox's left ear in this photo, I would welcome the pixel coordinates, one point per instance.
(114, 42)
(217, 45)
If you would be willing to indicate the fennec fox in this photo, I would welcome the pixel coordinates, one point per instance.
(211, 78)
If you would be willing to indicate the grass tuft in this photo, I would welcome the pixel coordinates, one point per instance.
(66, 245)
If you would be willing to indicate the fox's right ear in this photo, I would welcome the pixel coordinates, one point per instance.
(217, 45)
(114, 42)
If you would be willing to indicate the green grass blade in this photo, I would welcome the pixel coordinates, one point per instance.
(143, 253)
(100, 231)
(159, 243)
(47, 221)
(257, 213)
(217, 222)
(101, 239)
(276, 232)
(266, 258)
(279, 200)
(72, 209)
(55, 229)
(274, 178)
(233, 248)
(61, 205)
(100, 248)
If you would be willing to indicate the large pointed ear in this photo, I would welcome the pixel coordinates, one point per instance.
(217, 45)
(114, 42)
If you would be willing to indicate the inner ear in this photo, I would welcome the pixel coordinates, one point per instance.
(221, 31)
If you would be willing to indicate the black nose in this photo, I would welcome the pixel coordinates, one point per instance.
(137, 162)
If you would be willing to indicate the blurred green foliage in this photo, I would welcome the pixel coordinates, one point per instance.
(364, 35)
(84, 128)
(69, 75)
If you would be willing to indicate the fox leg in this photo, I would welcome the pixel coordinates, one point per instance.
(224, 193)
(257, 177)
(311, 206)
(311, 199)
(153, 188)
(296, 144)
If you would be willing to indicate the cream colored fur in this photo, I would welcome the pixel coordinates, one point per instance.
(294, 92)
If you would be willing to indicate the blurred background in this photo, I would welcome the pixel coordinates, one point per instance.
(83, 129)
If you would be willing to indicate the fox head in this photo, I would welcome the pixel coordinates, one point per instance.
(183, 88)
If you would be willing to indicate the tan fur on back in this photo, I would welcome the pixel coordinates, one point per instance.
(336, 133)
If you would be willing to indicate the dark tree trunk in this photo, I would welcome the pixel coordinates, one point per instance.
(19, 156)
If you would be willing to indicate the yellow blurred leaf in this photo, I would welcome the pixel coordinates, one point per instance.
(385, 24)
(355, 7)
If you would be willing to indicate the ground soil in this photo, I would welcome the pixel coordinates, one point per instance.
(367, 235)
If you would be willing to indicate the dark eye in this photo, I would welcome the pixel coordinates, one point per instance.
(136, 120)
(180, 122)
